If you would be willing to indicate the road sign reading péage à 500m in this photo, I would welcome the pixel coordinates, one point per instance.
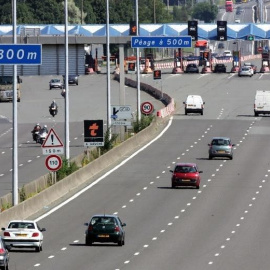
(20, 54)
(161, 42)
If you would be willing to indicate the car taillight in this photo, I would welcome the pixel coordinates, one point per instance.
(35, 234)
(6, 234)
(117, 229)
(90, 228)
(2, 251)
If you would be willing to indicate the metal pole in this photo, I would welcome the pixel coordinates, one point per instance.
(138, 67)
(108, 69)
(15, 124)
(67, 155)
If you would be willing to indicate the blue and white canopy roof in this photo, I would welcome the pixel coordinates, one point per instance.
(205, 31)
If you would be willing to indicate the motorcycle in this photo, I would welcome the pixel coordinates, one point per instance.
(41, 136)
(53, 110)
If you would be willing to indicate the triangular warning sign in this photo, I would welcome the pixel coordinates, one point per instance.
(52, 140)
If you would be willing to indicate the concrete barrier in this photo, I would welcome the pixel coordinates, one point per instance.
(86, 174)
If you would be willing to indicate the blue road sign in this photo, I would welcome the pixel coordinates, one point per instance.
(20, 54)
(161, 42)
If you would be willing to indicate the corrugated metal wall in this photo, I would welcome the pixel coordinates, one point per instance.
(53, 62)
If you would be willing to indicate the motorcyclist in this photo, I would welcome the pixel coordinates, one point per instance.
(36, 130)
(63, 93)
(37, 127)
(45, 129)
(53, 108)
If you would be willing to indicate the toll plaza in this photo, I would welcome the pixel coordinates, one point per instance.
(265, 62)
(236, 64)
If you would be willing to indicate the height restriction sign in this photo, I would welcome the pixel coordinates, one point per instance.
(93, 133)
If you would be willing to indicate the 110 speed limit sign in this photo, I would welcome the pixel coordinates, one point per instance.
(53, 163)
(147, 108)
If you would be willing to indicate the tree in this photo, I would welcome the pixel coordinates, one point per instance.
(153, 11)
(205, 12)
(180, 14)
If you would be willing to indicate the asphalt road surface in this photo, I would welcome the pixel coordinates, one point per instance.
(223, 225)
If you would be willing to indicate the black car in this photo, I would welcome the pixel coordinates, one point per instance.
(220, 68)
(192, 68)
(105, 228)
(221, 46)
(72, 79)
(4, 255)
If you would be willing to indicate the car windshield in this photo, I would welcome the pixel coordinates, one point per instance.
(55, 81)
(220, 142)
(21, 225)
(185, 169)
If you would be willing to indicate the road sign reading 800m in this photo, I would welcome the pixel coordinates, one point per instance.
(21, 54)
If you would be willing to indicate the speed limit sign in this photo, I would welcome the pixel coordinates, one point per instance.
(147, 107)
(53, 163)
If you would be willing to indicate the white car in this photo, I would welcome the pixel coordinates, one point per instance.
(23, 234)
(245, 71)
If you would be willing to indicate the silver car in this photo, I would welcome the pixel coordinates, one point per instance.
(4, 255)
(245, 71)
(55, 83)
(221, 147)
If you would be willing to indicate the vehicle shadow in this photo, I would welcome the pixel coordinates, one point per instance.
(93, 245)
(22, 250)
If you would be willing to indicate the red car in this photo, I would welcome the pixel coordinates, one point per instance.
(186, 174)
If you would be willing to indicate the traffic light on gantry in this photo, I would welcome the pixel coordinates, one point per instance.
(193, 29)
(222, 30)
(132, 28)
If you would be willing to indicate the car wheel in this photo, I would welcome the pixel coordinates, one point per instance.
(256, 114)
(88, 242)
(38, 249)
(50, 88)
(185, 112)
(210, 157)
(231, 157)
(120, 243)
(173, 185)
(239, 75)
(197, 187)
(202, 112)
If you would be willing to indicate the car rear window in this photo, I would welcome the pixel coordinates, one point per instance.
(103, 220)
(185, 169)
(220, 142)
(21, 225)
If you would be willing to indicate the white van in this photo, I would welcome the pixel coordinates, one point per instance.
(262, 102)
(194, 104)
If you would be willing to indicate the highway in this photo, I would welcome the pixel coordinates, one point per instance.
(221, 226)
(34, 108)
